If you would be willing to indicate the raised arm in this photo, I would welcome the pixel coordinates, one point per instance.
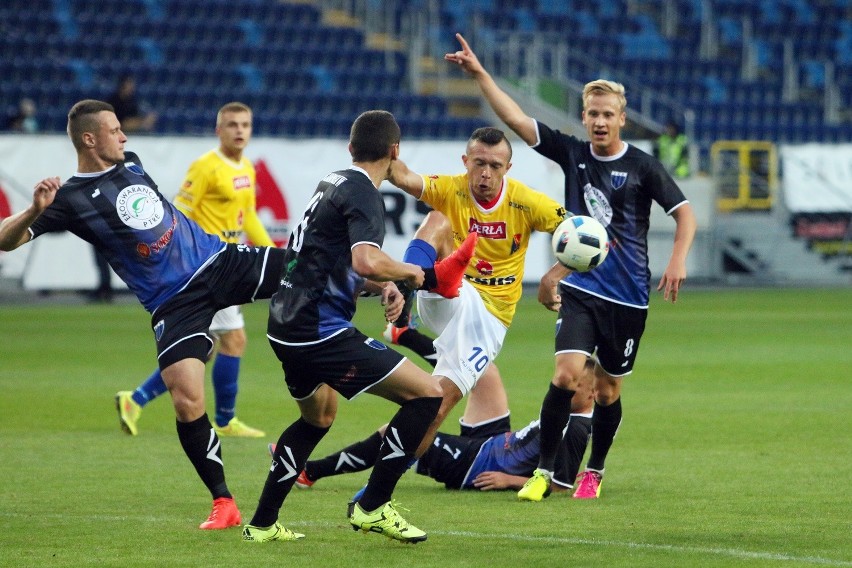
(14, 230)
(408, 181)
(505, 107)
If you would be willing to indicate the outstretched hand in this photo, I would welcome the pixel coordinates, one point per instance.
(465, 57)
(14, 228)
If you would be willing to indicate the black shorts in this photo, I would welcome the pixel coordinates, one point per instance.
(349, 362)
(588, 324)
(449, 457)
(238, 275)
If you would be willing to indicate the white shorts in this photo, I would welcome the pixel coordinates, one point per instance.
(228, 319)
(469, 337)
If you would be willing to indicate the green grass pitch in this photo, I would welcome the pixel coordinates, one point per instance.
(735, 449)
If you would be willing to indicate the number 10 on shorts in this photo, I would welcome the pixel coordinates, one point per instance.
(479, 359)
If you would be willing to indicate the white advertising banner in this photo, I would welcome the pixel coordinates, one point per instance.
(817, 177)
(288, 171)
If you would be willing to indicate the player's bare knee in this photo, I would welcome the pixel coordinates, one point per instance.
(566, 379)
(433, 223)
(433, 390)
(437, 231)
(324, 420)
(233, 343)
(605, 399)
(607, 390)
(187, 407)
(319, 415)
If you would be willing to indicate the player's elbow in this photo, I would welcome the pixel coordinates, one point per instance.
(9, 242)
(366, 266)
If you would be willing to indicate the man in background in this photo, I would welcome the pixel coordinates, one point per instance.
(672, 149)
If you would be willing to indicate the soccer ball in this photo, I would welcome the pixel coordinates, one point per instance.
(580, 243)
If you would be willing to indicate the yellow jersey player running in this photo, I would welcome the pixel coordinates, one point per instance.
(471, 328)
(219, 194)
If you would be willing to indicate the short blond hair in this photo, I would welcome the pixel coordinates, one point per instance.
(604, 87)
(231, 107)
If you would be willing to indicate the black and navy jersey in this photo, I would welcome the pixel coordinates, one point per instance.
(515, 453)
(151, 245)
(617, 191)
(316, 297)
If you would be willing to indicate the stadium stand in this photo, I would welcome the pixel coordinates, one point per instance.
(779, 71)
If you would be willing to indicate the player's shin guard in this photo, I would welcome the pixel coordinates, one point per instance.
(201, 446)
(291, 452)
(555, 411)
(575, 441)
(402, 437)
(605, 422)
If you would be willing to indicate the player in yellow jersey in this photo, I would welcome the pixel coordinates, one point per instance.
(472, 327)
(219, 194)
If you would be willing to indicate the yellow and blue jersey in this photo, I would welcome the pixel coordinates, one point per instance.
(219, 194)
(497, 267)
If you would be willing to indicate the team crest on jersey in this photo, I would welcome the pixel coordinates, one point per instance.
(597, 204)
(375, 344)
(617, 179)
(516, 244)
(135, 168)
(159, 329)
(139, 207)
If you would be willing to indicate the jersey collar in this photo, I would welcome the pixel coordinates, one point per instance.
(228, 160)
(609, 158)
(495, 203)
(94, 174)
(363, 171)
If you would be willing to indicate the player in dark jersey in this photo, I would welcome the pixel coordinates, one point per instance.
(603, 310)
(486, 456)
(334, 255)
(181, 274)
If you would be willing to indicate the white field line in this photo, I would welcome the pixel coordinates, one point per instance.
(727, 552)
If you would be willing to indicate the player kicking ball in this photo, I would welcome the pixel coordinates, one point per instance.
(333, 256)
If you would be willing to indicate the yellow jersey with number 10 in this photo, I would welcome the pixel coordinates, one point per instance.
(219, 194)
(497, 267)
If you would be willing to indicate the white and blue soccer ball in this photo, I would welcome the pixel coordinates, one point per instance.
(580, 243)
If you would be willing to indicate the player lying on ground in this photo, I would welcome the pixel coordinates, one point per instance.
(486, 456)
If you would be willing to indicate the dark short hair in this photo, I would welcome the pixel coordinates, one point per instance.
(490, 136)
(372, 135)
(82, 118)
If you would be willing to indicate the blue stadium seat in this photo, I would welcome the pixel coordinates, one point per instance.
(282, 58)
